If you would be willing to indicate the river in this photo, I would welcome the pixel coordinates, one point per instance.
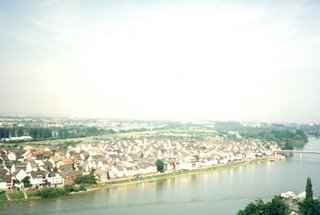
(221, 192)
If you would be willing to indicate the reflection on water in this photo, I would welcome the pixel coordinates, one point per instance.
(220, 192)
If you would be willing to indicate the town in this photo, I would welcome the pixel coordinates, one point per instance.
(30, 167)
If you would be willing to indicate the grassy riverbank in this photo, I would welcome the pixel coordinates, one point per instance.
(160, 176)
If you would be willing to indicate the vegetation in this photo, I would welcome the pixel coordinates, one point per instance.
(32, 194)
(16, 195)
(26, 181)
(311, 129)
(309, 192)
(51, 192)
(69, 188)
(160, 165)
(285, 136)
(308, 206)
(40, 133)
(3, 197)
(85, 179)
(82, 187)
(277, 206)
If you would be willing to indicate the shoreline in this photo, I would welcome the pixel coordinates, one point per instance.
(157, 177)
(162, 176)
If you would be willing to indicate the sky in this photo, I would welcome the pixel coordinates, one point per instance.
(174, 60)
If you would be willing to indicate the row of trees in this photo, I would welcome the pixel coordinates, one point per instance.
(38, 133)
(286, 137)
(278, 206)
(52, 192)
(311, 129)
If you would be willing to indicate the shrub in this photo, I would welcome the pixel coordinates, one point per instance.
(82, 187)
(85, 179)
(3, 197)
(51, 192)
(16, 195)
(69, 188)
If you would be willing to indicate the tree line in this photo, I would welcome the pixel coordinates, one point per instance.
(287, 137)
(40, 133)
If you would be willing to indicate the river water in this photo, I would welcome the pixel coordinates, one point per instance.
(221, 192)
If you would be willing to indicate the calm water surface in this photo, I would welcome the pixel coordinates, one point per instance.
(221, 192)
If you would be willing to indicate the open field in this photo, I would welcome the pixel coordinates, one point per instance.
(171, 134)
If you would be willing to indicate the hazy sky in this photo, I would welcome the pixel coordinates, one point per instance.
(211, 60)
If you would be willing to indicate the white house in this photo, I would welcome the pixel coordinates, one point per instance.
(6, 182)
(37, 178)
(146, 169)
(54, 178)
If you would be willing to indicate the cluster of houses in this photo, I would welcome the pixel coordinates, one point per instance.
(54, 165)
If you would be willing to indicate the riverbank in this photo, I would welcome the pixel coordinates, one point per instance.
(150, 178)
(161, 176)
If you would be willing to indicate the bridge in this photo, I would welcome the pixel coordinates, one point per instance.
(298, 152)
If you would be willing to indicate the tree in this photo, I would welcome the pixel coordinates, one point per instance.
(309, 207)
(55, 169)
(160, 165)
(26, 181)
(51, 192)
(288, 145)
(309, 192)
(277, 206)
(255, 208)
(85, 179)
(69, 188)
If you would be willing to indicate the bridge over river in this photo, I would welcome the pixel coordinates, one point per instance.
(299, 152)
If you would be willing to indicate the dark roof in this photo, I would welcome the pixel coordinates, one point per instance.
(71, 173)
(54, 174)
(38, 174)
(6, 178)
